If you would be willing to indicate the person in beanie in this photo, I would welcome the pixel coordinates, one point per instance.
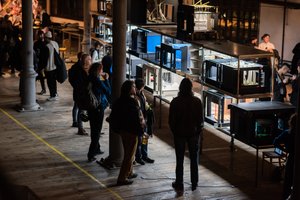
(50, 68)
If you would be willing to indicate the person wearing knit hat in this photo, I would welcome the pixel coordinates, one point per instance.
(48, 34)
(50, 68)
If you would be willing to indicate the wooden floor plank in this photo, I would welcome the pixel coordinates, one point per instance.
(28, 161)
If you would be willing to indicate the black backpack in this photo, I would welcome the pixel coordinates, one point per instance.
(61, 70)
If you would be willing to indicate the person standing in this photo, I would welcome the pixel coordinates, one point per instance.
(95, 52)
(267, 63)
(280, 82)
(295, 59)
(78, 74)
(50, 68)
(266, 45)
(287, 137)
(141, 155)
(39, 46)
(101, 89)
(125, 120)
(295, 87)
(186, 123)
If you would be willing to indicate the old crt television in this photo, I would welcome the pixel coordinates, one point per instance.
(265, 130)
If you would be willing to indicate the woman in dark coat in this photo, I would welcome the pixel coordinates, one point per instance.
(101, 89)
(126, 119)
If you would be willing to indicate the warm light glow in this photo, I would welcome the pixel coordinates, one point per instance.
(13, 8)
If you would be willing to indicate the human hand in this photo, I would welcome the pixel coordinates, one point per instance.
(104, 76)
(146, 135)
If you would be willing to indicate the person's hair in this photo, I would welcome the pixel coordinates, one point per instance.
(106, 62)
(83, 57)
(126, 88)
(139, 83)
(265, 35)
(97, 43)
(79, 55)
(40, 32)
(293, 123)
(253, 37)
(6, 17)
(185, 87)
(93, 71)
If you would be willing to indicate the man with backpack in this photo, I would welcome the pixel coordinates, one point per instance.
(50, 68)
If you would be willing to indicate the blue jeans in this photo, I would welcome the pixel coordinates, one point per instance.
(76, 115)
(96, 120)
(193, 145)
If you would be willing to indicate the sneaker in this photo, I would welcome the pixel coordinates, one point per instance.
(140, 161)
(52, 98)
(177, 186)
(148, 160)
(126, 182)
(132, 176)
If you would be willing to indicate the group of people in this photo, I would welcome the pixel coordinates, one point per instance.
(185, 120)
(136, 114)
(284, 73)
(81, 74)
(10, 33)
(9, 43)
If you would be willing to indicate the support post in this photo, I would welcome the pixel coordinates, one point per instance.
(28, 75)
(119, 76)
(86, 40)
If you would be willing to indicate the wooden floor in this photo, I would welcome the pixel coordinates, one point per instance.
(41, 150)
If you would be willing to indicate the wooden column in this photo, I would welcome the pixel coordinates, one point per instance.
(28, 75)
(86, 40)
(119, 76)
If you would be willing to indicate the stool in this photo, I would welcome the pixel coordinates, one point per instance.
(274, 158)
(62, 51)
